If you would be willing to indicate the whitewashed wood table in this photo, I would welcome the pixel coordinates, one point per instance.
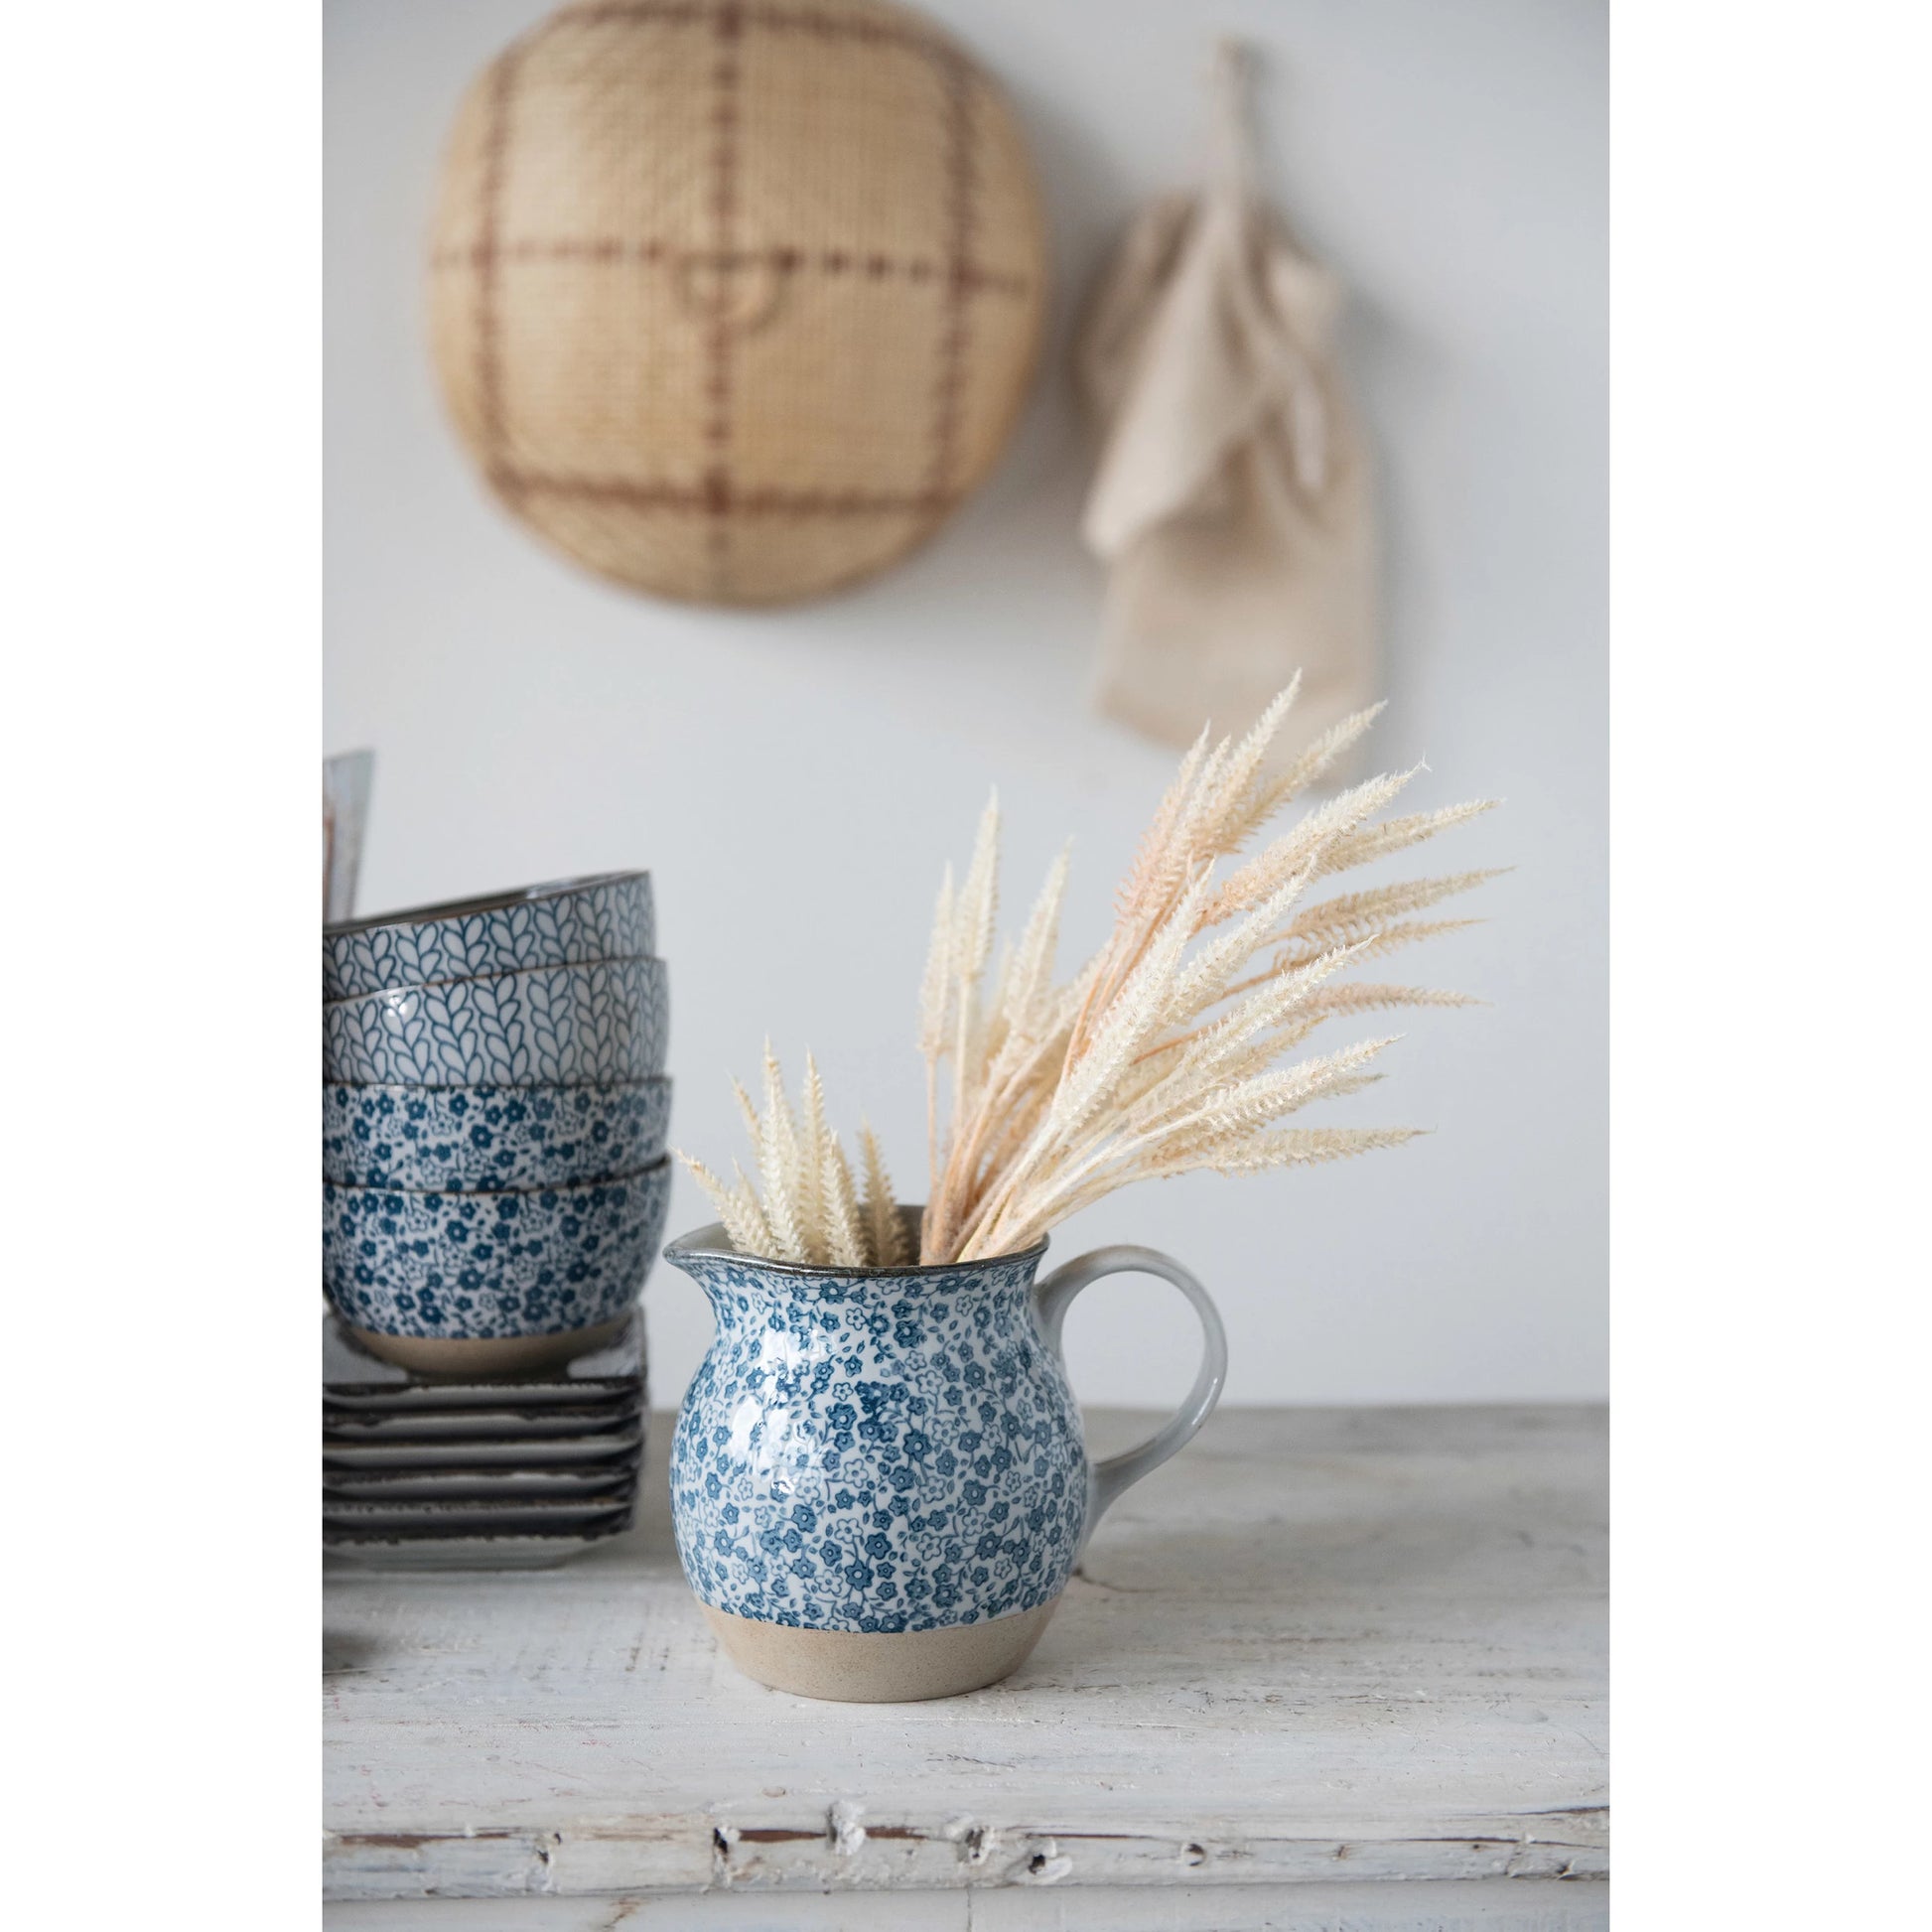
(1326, 1669)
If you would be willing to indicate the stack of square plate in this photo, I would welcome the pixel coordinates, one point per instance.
(420, 1474)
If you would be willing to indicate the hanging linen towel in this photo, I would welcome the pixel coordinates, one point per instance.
(1232, 500)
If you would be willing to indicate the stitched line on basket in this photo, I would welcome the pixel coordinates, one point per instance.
(718, 338)
(960, 185)
(865, 265)
(736, 501)
(489, 361)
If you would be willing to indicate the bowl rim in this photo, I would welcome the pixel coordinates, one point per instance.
(500, 1193)
(508, 973)
(443, 910)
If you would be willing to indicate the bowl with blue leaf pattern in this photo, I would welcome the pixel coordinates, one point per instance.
(569, 922)
(442, 1138)
(490, 1281)
(550, 1026)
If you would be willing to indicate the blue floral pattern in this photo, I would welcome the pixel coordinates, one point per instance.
(491, 1136)
(875, 1452)
(566, 924)
(486, 1266)
(567, 1026)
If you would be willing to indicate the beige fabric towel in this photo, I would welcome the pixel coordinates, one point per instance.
(1232, 499)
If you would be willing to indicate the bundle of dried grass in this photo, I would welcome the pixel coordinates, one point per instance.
(1159, 1057)
(809, 1209)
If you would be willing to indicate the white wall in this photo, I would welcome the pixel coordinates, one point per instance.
(795, 781)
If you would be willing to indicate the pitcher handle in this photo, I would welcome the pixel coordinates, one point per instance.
(1106, 1481)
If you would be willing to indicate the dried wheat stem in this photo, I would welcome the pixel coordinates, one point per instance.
(748, 1230)
(887, 1231)
(813, 1137)
(845, 1238)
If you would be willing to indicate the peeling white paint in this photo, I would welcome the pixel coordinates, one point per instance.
(842, 1827)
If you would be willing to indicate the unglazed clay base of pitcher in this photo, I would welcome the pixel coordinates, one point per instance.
(504, 1355)
(861, 1667)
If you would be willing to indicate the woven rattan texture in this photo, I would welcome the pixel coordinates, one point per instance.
(735, 302)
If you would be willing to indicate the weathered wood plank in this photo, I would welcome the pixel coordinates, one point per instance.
(1319, 1645)
(1497, 1905)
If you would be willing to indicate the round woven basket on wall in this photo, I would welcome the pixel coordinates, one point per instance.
(733, 300)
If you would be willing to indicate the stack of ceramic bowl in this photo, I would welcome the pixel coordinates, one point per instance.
(437, 1473)
(495, 1111)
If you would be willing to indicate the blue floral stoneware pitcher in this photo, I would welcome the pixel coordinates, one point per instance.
(879, 1481)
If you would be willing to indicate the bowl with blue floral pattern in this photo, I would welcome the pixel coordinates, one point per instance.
(464, 1138)
(568, 922)
(490, 1279)
(548, 1025)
